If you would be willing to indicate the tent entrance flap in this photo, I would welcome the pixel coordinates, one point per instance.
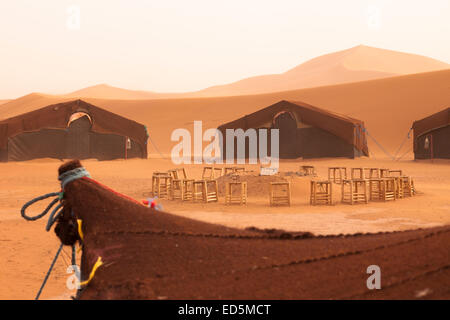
(286, 123)
(78, 141)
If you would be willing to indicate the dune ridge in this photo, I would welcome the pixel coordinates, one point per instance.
(356, 64)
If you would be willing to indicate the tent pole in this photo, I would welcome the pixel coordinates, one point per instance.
(431, 147)
(126, 150)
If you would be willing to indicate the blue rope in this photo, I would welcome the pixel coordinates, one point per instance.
(48, 272)
(74, 256)
(65, 178)
(72, 175)
(45, 196)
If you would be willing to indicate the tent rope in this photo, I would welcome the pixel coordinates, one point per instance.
(378, 144)
(156, 148)
(403, 142)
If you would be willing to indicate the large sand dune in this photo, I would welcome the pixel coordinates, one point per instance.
(355, 64)
(387, 106)
(359, 63)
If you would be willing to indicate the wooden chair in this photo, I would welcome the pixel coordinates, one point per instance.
(354, 191)
(321, 192)
(280, 193)
(337, 174)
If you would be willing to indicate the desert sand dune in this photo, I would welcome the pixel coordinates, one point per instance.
(104, 91)
(387, 106)
(359, 63)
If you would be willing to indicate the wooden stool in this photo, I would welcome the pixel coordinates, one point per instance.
(177, 189)
(332, 176)
(384, 173)
(161, 185)
(373, 173)
(203, 192)
(383, 189)
(398, 187)
(211, 173)
(178, 174)
(406, 185)
(280, 193)
(321, 192)
(217, 172)
(227, 170)
(187, 191)
(236, 199)
(177, 182)
(354, 191)
(308, 170)
(398, 172)
(212, 191)
(199, 190)
(360, 173)
(208, 173)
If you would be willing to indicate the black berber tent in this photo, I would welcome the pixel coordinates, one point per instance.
(432, 136)
(306, 131)
(71, 130)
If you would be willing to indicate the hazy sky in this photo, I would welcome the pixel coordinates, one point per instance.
(187, 45)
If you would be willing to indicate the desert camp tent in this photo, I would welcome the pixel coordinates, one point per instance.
(74, 129)
(432, 136)
(305, 131)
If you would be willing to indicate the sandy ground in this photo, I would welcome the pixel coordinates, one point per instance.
(26, 250)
